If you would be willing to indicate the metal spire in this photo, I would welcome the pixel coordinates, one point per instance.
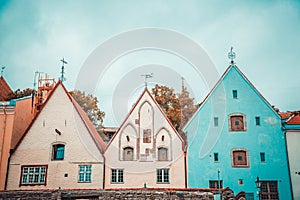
(146, 77)
(231, 55)
(2, 70)
(62, 77)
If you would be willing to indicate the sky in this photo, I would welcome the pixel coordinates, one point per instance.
(36, 34)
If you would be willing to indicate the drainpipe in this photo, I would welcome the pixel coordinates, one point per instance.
(7, 168)
(103, 181)
(2, 138)
(185, 163)
(288, 160)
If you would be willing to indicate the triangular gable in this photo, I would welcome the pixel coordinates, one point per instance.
(5, 90)
(220, 82)
(146, 92)
(91, 129)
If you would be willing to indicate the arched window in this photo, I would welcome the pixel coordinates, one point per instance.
(128, 153)
(58, 152)
(162, 154)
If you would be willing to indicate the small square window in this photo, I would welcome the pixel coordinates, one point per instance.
(216, 157)
(216, 121)
(117, 176)
(162, 176)
(240, 182)
(234, 94)
(262, 157)
(85, 174)
(257, 121)
(240, 158)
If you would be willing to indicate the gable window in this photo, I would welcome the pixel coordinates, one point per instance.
(33, 175)
(162, 175)
(216, 121)
(128, 153)
(234, 94)
(85, 174)
(240, 158)
(237, 122)
(215, 184)
(147, 136)
(58, 152)
(117, 176)
(162, 154)
(257, 121)
(269, 190)
(216, 157)
(262, 157)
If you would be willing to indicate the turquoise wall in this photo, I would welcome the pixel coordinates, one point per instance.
(205, 139)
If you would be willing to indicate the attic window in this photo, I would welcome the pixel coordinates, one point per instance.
(127, 138)
(163, 138)
(58, 151)
(234, 94)
(147, 136)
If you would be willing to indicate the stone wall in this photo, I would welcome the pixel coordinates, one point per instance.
(112, 194)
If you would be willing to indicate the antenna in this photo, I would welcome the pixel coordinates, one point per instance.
(146, 77)
(231, 55)
(2, 70)
(62, 77)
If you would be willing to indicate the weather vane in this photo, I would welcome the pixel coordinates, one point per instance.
(62, 78)
(146, 77)
(231, 55)
(2, 70)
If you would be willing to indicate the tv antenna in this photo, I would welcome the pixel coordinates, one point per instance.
(147, 76)
(62, 77)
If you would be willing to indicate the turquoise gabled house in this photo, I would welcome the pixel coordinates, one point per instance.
(235, 140)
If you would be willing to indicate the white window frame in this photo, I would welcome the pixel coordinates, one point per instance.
(34, 175)
(85, 174)
(119, 173)
(164, 172)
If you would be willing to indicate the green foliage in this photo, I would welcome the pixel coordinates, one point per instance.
(89, 104)
(19, 94)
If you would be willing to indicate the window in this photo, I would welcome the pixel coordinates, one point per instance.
(216, 121)
(240, 182)
(262, 157)
(162, 175)
(215, 184)
(257, 121)
(85, 174)
(58, 152)
(239, 158)
(269, 190)
(128, 153)
(216, 157)
(162, 154)
(33, 175)
(237, 123)
(127, 138)
(147, 136)
(234, 94)
(117, 176)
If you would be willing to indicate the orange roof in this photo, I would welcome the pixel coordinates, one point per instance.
(285, 115)
(294, 120)
(4, 89)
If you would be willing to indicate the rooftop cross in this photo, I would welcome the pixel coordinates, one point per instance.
(2, 70)
(62, 78)
(146, 77)
(231, 55)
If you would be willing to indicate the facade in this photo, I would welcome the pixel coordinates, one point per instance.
(146, 151)
(236, 138)
(292, 132)
(60, 148)
(7, 110)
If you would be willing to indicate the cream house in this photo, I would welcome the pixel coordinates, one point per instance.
(60, 148)
(146, 151)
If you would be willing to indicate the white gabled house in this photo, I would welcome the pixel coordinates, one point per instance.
(60, 149)
(146, 151)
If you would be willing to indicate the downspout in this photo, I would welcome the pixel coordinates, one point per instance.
(185, 162)
(7, 168)
(103, 180)
(288, 160)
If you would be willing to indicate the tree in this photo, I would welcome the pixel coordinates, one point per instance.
(169, 102)
(187, 105)
(89, 104)
(19, 94)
